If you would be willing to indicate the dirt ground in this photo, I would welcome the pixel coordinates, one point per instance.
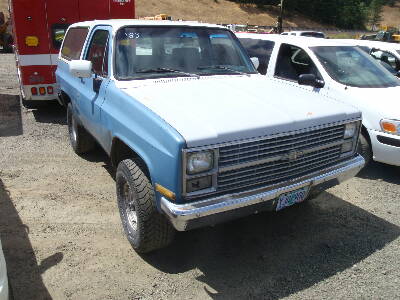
(62, 236)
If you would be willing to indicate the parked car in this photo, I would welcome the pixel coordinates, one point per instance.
(315, 34)
(388, 54)
(342, 72)
(4, 291)
(196, 134)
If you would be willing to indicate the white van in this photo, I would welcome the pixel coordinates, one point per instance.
(340, 71)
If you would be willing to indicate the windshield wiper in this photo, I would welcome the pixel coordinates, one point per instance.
(166, 70)
(221, 67)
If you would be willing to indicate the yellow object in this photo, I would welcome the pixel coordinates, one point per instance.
(165, 192)
(32, 41)
(158, 17)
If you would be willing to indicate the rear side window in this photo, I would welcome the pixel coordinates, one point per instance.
(98, 53)
(73, 43)
(260, 49)
(58, 32)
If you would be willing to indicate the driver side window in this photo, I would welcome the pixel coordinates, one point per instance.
(98, 53)
(293, 62)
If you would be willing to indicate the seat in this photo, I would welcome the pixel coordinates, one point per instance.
(186, 59)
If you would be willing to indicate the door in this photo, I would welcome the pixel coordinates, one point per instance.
(293, 61)
(387, 60)
(94, 91)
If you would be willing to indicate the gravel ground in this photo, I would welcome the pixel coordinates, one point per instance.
(62, 236)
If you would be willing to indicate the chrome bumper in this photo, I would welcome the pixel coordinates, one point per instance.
(222, 208)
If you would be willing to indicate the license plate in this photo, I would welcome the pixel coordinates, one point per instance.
(291, 198)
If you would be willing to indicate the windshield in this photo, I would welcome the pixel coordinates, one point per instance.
(313, 34)
(154, 52)
(353, 67)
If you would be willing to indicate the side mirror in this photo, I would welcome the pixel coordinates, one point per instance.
(311, 80)
(80, 68)
(255, 61)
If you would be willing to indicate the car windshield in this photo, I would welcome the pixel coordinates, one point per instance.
(155, 52)
(313, 34)
(353, 67)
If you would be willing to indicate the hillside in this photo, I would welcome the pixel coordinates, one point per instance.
(213, 11)
(217, 11)
(391, 15)
(227, 12)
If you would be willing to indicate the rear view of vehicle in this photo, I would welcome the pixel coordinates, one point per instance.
(39, 27)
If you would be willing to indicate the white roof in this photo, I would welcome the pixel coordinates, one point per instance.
(299, 41)
(134, 22)
(374, 44)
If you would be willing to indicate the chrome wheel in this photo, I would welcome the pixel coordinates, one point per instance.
(130, 210)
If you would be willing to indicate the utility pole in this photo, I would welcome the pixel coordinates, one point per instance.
(280, 18)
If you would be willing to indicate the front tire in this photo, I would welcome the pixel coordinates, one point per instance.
(146, 229)
(364, 149)
(81, 141)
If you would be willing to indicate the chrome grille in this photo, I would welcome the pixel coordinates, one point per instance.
(239, 168)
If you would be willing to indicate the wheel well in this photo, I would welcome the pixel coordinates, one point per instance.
(365, 133)
(121, 151)
(65, 98)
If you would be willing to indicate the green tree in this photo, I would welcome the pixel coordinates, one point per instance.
(375, 10)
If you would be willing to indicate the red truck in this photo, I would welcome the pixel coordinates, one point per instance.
(39, 27)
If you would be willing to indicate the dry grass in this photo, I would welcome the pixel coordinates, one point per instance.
(4, 6)
(216, 11)
(391, 15)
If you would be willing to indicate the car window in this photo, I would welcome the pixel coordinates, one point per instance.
(313, 34)
(351, 66)
(164, 51)
(388, 60)
(73, 43)
(58, 32)
(260, 49)
(98, 52)
(292, 62)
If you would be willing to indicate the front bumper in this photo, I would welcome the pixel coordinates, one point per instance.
(387, 152)
(223, 208)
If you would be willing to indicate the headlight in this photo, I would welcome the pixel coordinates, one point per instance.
(350, 130)
(198, 162)
(390, 126)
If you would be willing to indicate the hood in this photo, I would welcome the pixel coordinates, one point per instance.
(383, 101)
(219, 109)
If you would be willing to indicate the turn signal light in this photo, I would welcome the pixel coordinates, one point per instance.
(389, 127)
(42, 91)
(34, 91)
(50, 90)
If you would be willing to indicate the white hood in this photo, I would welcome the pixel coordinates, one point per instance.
(375, 104)
(220, 109)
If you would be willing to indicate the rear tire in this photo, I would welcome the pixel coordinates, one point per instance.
(81, 141)
(146, 229)
(364, 149)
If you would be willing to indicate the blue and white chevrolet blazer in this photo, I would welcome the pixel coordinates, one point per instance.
(197, 136)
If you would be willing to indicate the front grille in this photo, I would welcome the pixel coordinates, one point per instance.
(239, 168)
